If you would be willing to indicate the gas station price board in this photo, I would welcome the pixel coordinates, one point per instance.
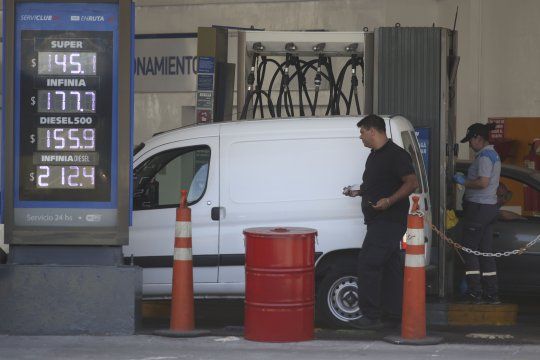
(65, 127)
(66, 115)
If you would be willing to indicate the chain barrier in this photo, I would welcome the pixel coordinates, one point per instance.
(471, 251)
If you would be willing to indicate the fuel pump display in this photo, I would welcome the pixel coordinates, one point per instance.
(65, 127)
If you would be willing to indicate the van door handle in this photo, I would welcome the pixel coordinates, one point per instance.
(215, 213)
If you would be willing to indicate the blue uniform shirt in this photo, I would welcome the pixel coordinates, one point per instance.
(486, 164)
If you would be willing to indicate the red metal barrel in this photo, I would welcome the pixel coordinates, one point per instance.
(280, 284)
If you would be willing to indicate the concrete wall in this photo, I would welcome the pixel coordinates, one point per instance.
(155, 112)
(498, 70)
(498, 74)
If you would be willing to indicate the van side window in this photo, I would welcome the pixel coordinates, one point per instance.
(159, 179)
(411, 145)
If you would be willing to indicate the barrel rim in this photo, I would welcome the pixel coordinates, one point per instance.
(268, 231)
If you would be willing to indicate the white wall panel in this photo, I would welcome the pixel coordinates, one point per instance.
(510, 51)
(159, 112)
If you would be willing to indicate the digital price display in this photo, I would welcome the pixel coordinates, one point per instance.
(72, 139)
(66, 63)
(64, 101)
(66, 80)
(65, 177)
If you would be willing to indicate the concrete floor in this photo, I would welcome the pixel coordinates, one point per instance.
(224, 319)
(148, 347)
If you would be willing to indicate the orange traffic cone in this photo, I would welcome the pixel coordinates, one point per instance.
(413, 323)
(182, 308)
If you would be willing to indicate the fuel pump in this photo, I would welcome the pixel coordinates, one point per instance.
(305, 54)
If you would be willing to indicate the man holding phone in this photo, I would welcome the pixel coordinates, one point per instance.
(388, 180)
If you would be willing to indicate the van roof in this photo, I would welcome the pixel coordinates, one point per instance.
(263, 125)
(274, 120)
(252, 121)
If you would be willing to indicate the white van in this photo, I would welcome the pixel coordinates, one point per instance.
(281, 172)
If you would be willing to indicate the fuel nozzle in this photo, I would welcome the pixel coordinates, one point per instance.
(258, 84)
(353, 94)
(354, 78)
(354, 83)
(289, 47)
(251, 75)
(318, 78)
(288, 60)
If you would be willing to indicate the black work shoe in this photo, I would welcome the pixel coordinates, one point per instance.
(492, 299)
(365, 323)
(472, 298)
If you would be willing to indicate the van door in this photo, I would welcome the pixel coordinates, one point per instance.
(289, 176)
(410, 144)
(159, 176)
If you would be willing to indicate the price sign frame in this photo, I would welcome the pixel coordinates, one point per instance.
(74, 186)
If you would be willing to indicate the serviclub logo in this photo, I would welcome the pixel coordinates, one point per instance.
(38, 18)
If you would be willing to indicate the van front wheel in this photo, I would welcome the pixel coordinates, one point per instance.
(337, 297)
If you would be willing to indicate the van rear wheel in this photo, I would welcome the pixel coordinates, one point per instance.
(337, 296)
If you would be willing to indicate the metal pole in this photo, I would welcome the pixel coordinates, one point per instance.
(369, 49)
(240, 73)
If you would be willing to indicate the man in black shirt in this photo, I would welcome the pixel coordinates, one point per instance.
(388, 181)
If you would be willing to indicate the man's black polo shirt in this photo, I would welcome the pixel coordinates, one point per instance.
(382, 177)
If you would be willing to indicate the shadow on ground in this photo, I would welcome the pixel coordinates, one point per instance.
(225, 317)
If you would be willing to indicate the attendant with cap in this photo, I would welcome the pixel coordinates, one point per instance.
(481, 211)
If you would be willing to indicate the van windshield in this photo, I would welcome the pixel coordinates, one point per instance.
(411, 145)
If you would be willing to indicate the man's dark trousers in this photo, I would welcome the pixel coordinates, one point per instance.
(380, 270)
(478, 235)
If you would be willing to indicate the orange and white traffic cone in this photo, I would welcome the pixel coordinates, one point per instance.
(413, 323)
(182, 303)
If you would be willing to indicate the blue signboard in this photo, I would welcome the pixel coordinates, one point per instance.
(205, 65)
(423, 135)
(205, 82)
(66, 115)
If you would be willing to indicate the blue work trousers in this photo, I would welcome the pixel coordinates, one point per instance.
(480, 271)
